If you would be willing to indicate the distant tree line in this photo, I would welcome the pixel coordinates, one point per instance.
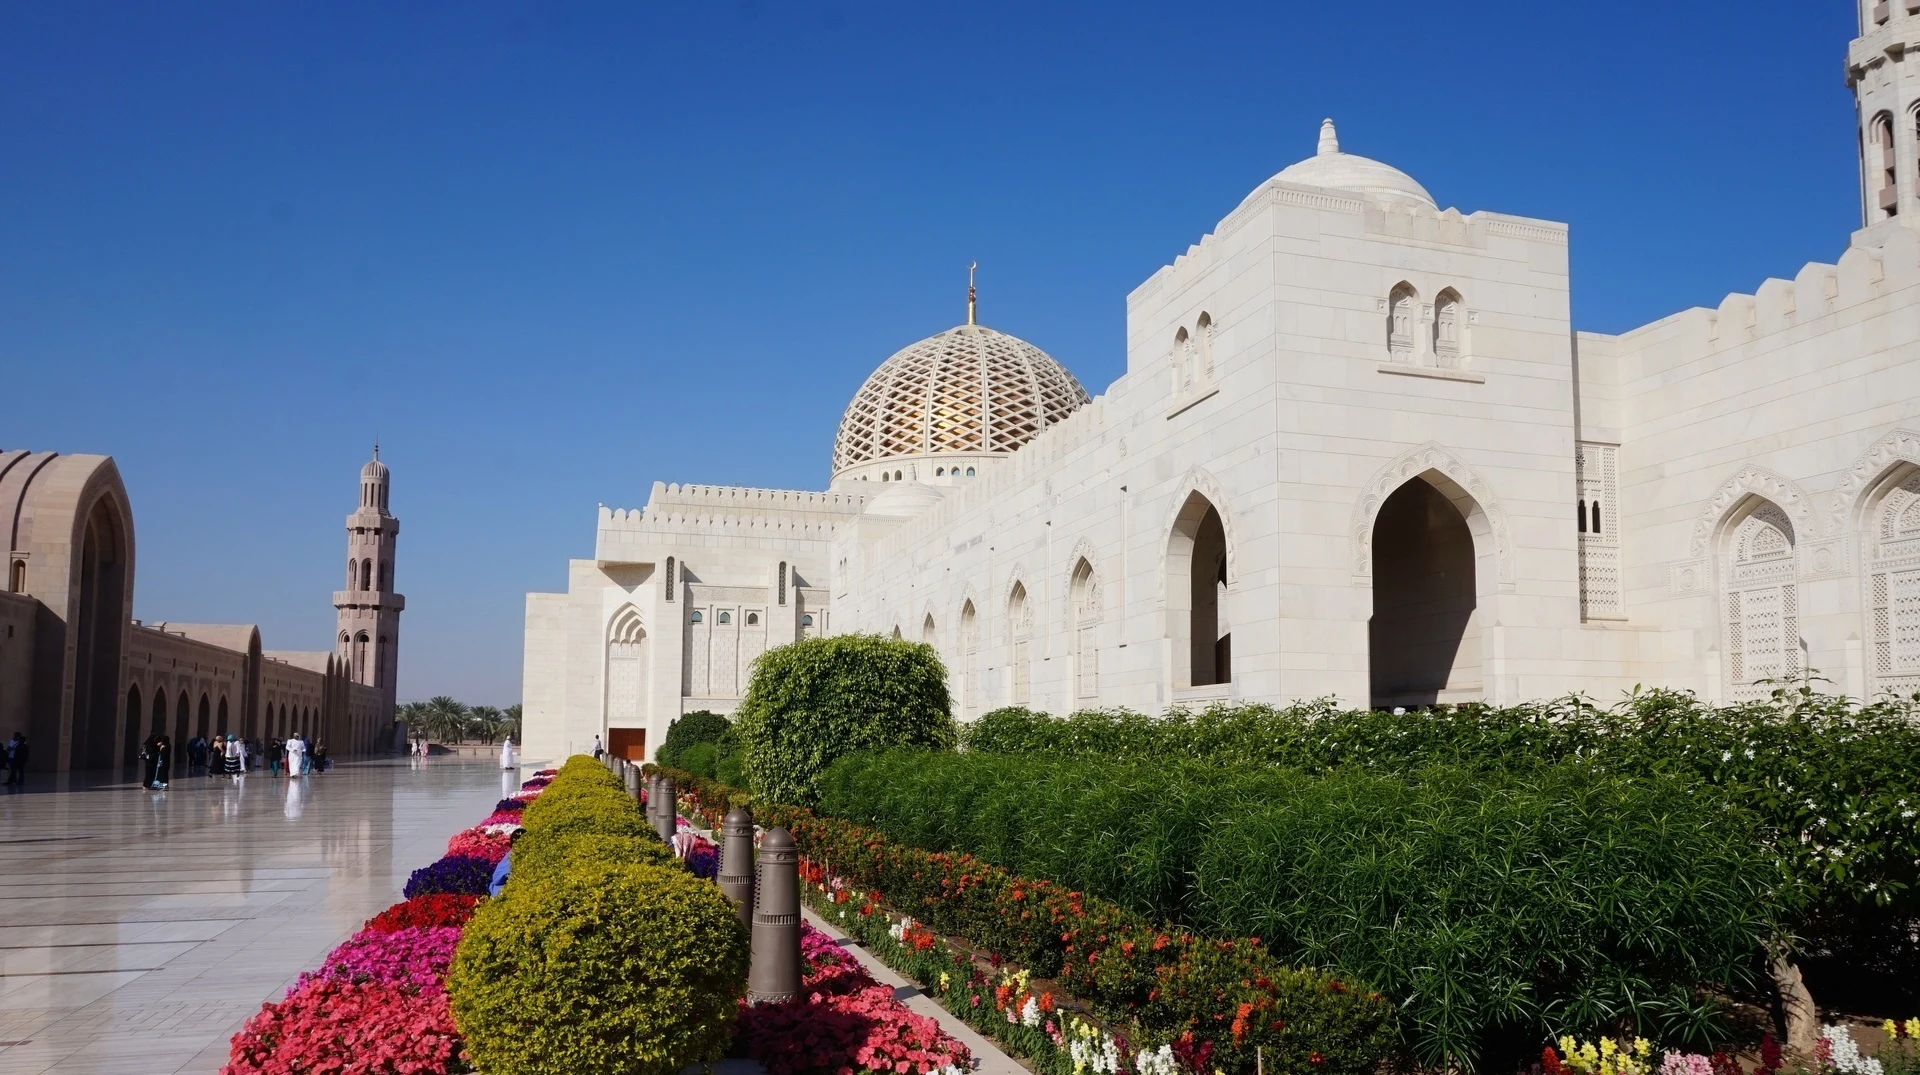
(447, 720)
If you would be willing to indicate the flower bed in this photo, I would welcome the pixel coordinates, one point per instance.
(1230, 1000)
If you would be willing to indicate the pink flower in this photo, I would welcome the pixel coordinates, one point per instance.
(348, 1028)
(416, 957)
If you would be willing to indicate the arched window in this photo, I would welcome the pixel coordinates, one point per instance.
(380, 662)
(1400, 320)
(696, 617)
(670, 586)
(626, 666)
(353, 574)
(366, 574)
(1887, 168)
(897, 477)
(1760, 625)
(1203, 342)
(926, 629)
(1085, 595)
(726, 617)
(753, 619)
(969, 654)
(1182, 361)
(896, 632)
(360, 646)
(1596, 516)
(939, 472)
(969, 472)
(1446, 330)
(806, 625)
(783, 582)
(205, 726)
(1580, 514)
(1020, 638)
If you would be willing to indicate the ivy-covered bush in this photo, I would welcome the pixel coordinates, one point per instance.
(1489, 906)
(699, 726)
(820, 699)
(618, 968)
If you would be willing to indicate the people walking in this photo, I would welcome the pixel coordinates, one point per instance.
(236, 757)
(276, 752)
(320, 760)
(157, 755)
(598, 750)
(506, 753)
(296, 754)
(17, 760)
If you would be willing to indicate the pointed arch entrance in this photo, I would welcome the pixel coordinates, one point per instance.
(1423, 639)
(1198, 576)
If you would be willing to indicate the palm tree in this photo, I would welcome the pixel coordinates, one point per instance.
(447, 717)
(415, 716)
(510, 722)
(485, 721)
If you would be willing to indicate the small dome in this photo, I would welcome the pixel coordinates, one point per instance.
(967, 390)
(1333, 170)
(375, 470)
(903, 500)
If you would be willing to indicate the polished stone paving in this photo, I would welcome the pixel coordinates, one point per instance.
(139, 929)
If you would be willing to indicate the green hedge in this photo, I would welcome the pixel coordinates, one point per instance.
(822, 698)
(1489, 907)
(601, 954)
(1836, 785)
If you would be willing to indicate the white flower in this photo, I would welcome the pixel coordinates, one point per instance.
(1157, 1062)
(898, 931)
(1846, 1054)
(1749, 753)
(1726, 755)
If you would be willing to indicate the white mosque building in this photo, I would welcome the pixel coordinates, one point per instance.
(1359, 450)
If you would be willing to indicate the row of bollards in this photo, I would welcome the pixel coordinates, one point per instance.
(766, 894)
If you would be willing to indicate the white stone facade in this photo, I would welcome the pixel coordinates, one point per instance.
(1359, 451)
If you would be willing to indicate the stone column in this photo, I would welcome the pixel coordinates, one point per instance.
(774, 974)
(736, 862)
(664, 820)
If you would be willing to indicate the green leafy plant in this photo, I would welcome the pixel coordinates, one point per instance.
(699, 726)
(819, 699)
(1489, 906)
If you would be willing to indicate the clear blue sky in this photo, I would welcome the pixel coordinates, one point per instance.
(554, 252)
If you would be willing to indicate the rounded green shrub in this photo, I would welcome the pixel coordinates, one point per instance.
(581, 769)
(617, 969)
(699, 726)
(701, 759)
(819, 699)
(541, 850)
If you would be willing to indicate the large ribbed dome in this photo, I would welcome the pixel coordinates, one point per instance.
(969, 390)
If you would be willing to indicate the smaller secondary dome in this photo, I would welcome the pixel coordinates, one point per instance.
(375, 470)
(1334, 170)
(903, 500)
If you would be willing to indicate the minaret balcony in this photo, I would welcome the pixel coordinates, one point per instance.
(1889, 198)
(1881, 11)
(374, 599)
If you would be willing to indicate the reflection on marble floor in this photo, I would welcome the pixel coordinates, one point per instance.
(139, 929)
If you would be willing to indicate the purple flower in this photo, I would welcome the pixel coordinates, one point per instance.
(461, 875)
(509, 806)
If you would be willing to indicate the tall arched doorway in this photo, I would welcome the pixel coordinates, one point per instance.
(130, 736)
(1423, 639)
(1196, 596)
(97, 636)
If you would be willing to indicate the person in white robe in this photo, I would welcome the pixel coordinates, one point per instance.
(296, 754)
(506, 753)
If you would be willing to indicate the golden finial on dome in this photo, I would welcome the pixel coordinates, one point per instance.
(971, 297)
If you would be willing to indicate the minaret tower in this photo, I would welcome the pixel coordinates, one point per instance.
(368, 637)
(1886, 93)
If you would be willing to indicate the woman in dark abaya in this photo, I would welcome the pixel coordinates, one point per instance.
(158, 752)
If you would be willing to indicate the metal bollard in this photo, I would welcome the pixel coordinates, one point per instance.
(653, 800)
(774, 974)
(633, 782)
(736, 862)
(668, 810)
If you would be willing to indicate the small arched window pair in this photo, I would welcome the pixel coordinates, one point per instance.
(1588, 514)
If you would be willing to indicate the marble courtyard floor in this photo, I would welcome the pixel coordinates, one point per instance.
(139, 929)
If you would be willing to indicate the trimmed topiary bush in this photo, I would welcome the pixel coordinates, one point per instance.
(620, 969)
(699, 726)
(820, 699)
(613, 813)
(542, 851)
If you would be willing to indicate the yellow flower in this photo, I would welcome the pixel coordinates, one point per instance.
(1607, 1047)
(1566, 1046)
(1913, 1028)
(1892, 1028)
(946, 982)
(1641, 1047)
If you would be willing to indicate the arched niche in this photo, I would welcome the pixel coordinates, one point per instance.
(1423, 637)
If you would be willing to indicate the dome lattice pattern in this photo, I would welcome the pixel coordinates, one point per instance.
(968, 389)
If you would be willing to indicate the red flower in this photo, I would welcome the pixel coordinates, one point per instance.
(1316, 1059)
